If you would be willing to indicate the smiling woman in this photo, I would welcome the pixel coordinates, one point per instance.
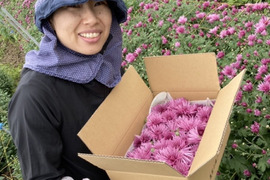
(63, 83)
(83, 28)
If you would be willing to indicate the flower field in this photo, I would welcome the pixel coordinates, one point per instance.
(240, 37)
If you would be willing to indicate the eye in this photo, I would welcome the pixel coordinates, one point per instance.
(100, 3)
(75, 6)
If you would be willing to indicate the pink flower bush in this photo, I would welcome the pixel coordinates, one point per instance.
(172, 134)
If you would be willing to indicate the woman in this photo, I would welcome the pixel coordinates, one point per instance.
(62, 84)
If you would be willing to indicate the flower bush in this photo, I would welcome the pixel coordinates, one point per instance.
(239, 35)
(172, 133)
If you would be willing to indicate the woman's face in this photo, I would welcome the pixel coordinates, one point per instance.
(83, 28)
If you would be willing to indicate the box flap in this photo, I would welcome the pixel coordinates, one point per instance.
(113, 163)
(111, 129)
(215, 131)
(193, 76)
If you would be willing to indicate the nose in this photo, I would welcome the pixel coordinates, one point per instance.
(89, 16)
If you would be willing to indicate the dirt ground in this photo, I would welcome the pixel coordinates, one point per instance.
(11, 54)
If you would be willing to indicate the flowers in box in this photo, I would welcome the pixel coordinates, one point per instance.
(172, 133)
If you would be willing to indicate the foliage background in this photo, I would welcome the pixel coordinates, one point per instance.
(154, 28)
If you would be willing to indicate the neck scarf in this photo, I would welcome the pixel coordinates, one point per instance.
(54, 59)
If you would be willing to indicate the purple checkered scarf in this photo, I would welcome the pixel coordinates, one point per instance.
(54, 59)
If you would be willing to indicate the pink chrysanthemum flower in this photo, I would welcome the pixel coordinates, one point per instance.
(263, 69)
(229, 72)
(142, 152)
(154, 119)
(204, 113)
(168, 155)
(180, 30)
(186, 124)
(172, 125)
(130, 57)
(248, 87)
(201, 15)
(239, 96)
(168, 116)
(214, 30)
(157, 132)
(183, 107)
(182, 168)
(193, 136)
(160, 108)
(212, 18)
(145, 137)
(178, 142)
(182, 20)
(267, 78)
(255, 128)
(160, 144)
(264, 87)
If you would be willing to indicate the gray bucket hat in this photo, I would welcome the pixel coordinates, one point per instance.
(45, 8)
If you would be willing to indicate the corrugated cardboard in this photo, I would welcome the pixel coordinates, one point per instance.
(111, 130)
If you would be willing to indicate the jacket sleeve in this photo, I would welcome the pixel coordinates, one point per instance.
(34, 126)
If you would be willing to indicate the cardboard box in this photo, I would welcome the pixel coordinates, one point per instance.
(111, 130)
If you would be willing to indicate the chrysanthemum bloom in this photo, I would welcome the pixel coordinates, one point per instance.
(223, 34)
(264, 87)
(220, 54)
(129, 33)
(159, 108)
(203, 113)
(239, 96)
(130, 57)
(158, 131)
(248, 24)
(164, 40)
(241, 34)
(168, 116)
(201, 15)
(248, 87)
(180, 30)
(247, 173)
(193, 136)
(145, 137)
(263, 69)
(182, 20)
(168, 155)
(255, 128)
(160, 23)
(229, 71)
(154, 119)
(252, 37)
(129, 10)
(234, 145)
(212, 18)
(178, 142)
(142, 152)
(160, 144)
(267, 78)
(257, 112)
(258, 99)
(177, 44)
(186, 124)
(231, 30)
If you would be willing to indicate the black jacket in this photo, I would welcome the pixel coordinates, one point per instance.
(45, 115)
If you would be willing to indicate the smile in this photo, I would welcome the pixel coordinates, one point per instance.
(89, 35)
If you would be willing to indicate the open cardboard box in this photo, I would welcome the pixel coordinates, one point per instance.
(111, 130)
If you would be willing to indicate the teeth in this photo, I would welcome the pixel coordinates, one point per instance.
(90, 35)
